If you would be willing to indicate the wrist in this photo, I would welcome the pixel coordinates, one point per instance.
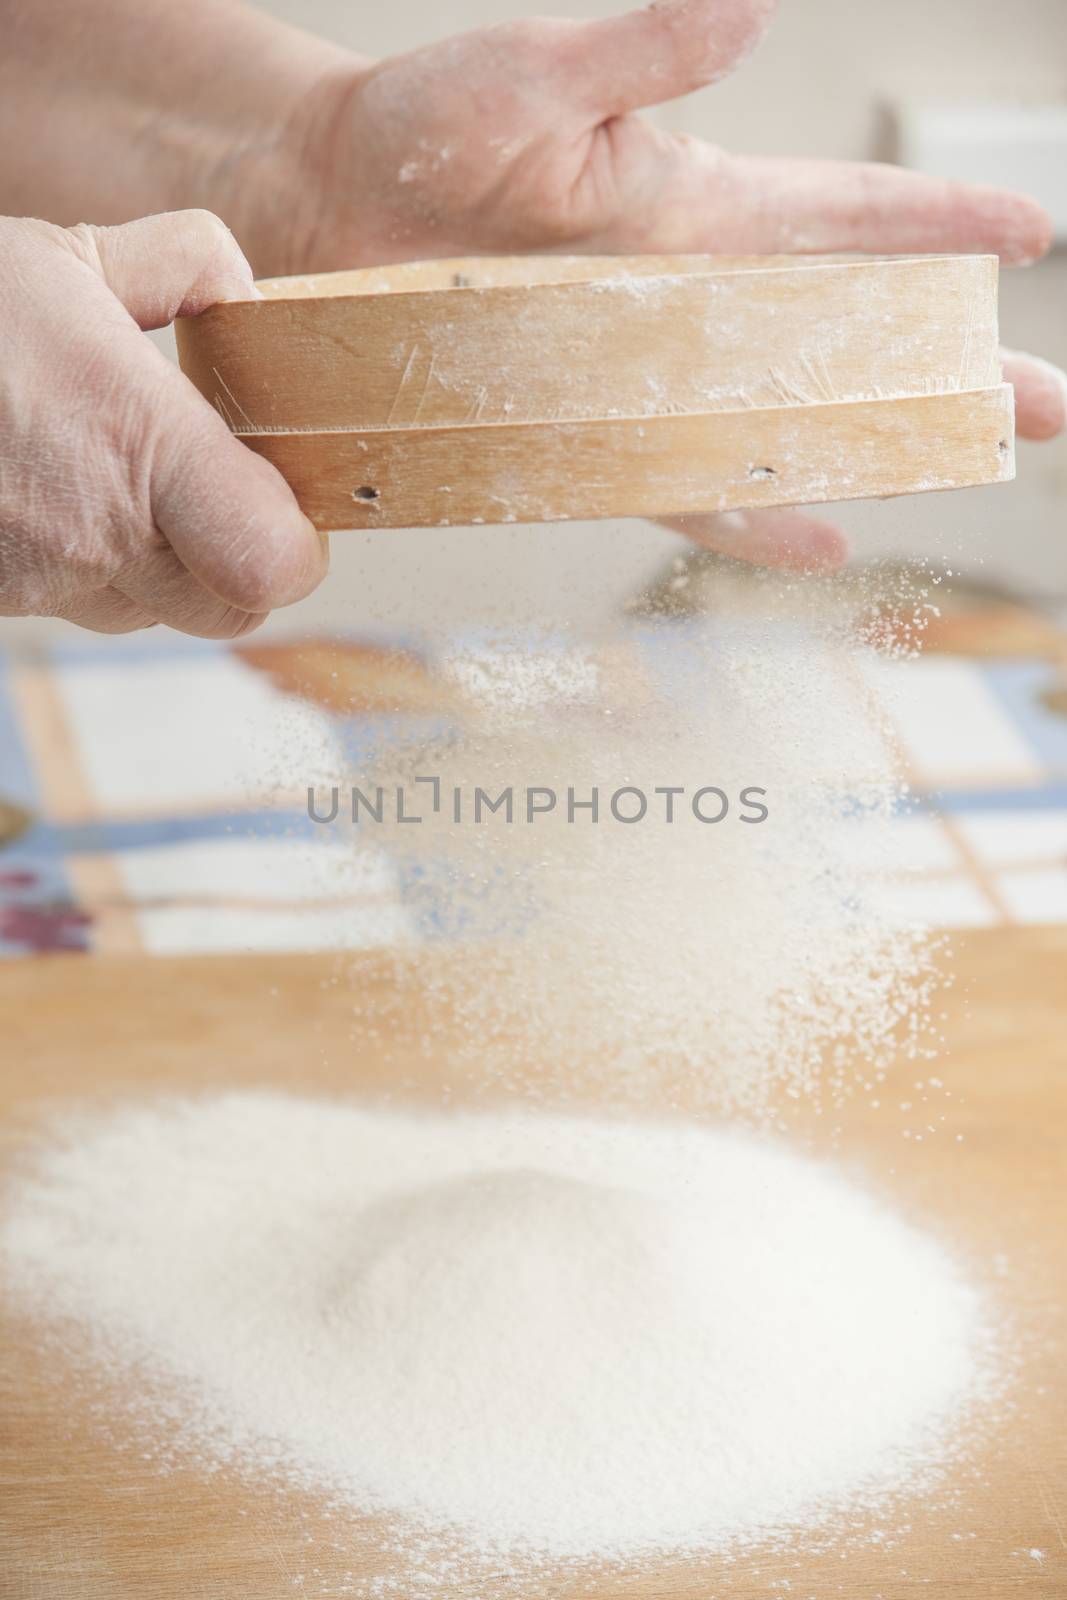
(209, 104)
(264, 156)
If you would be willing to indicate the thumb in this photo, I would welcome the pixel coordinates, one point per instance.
(230, 518)
(668, 49)
(172, 265)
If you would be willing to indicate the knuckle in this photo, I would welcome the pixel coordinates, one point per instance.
(244, 622)
(111, 615)
(216, 262)
(83, 240)
(135, 624)
(221, 621)
(205, 234)
(202, 224)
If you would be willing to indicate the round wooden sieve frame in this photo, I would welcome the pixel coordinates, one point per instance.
(534, 389)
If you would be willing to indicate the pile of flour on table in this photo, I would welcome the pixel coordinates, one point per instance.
(556, 1337)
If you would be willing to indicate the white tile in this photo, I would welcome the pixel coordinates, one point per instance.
(188, 930)
(953, 727)
(1039, 896)
(256, 869)
(188, 732)
(1015, 838)
(197, 877)
(934, 902)
(902, 844)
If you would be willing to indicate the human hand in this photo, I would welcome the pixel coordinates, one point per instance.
(124, 498)
(522, 137)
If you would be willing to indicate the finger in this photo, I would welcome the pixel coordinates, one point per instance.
(228, 515)
(107, 611)
(667, 49)
(763, 206)
(172, 265)
(159, 584)
(786, 538)
(1040, 395)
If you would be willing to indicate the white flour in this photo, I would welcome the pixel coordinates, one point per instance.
(562, 1338)
(731, 957)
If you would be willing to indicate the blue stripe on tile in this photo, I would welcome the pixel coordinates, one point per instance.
(17, 780)
(365, 736)
(94, 838)
(36, 903)
(442, 907)
(1049, 797)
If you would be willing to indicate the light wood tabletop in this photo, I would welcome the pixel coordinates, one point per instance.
(83, 1516)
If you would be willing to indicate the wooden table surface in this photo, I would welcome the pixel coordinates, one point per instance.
(84, 1517)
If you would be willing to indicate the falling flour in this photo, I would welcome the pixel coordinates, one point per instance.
(553, 1337)
(692, 960)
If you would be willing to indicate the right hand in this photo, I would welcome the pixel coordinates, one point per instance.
(124, 498)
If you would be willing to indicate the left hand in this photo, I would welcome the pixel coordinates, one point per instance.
(522, 137)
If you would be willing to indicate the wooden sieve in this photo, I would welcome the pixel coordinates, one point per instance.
(533, 389)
